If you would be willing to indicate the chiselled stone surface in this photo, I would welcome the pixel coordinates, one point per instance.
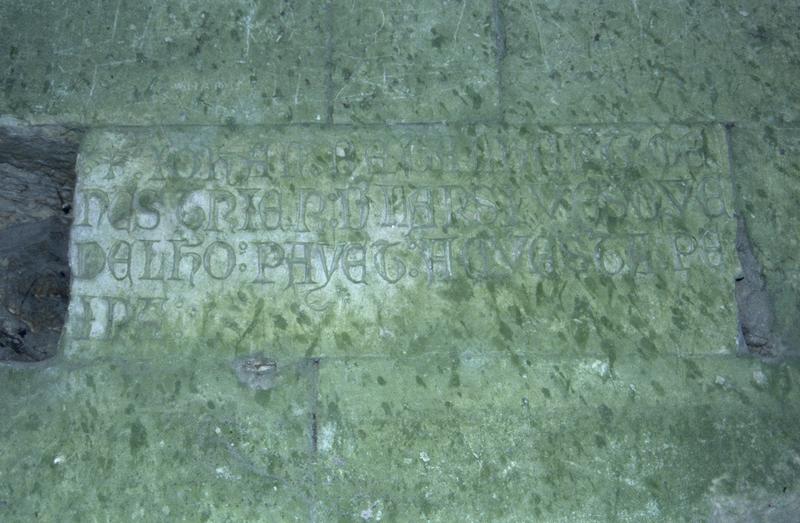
(403, 242)
(118, 61)
(648, 60)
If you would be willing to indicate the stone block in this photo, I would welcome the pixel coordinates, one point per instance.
(162, 62)
(155, 440)
(648, 60)
(342, 242)
(458, 436)
(414, 61)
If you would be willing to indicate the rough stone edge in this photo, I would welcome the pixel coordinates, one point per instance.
(756, 318)
(34, 249)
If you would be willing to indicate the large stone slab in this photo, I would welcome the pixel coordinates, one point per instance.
(403, 241)
(156, 62)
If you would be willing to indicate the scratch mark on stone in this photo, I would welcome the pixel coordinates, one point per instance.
(638, 17)
(383, 23)
(139, 43)
(94, 82)
(116, 18)
(460, 17)
(248, 25)
(538, 28)
(252, 324)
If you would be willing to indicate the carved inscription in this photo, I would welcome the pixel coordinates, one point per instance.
(284, 215)
(273, 235)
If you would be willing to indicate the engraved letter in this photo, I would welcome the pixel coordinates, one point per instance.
(177, 260)
(683, 245)
(420, 204)
(212, 265)
(302, 208)
(149, 254)
(304, 261)
(355, 257)
(444, 257)
(88, 196)
(220, 197)
(381, 246)
(151, 217)
(270, 256)
(119, 260)
(477, 266)
(91, 260)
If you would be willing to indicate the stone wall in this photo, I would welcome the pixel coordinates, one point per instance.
(430, 260)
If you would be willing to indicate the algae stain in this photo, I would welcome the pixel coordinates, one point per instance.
(581, 335)
(658, 388)
(343, 341)
(262, 397)
(606, 414)
(517, 314)
(505, 330)
(600, 441)
(280, 322)
(477, 101)
(138, 439)
(692, 370)
(457, 291)
(455, 379)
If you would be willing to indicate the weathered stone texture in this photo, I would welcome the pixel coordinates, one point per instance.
(430, 260)
(557, 241)
(156, 62)
(37, 166)
(767, 163)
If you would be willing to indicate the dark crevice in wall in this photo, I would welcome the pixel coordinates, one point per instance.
(37, 168)
(752, 299)
(754, 307)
